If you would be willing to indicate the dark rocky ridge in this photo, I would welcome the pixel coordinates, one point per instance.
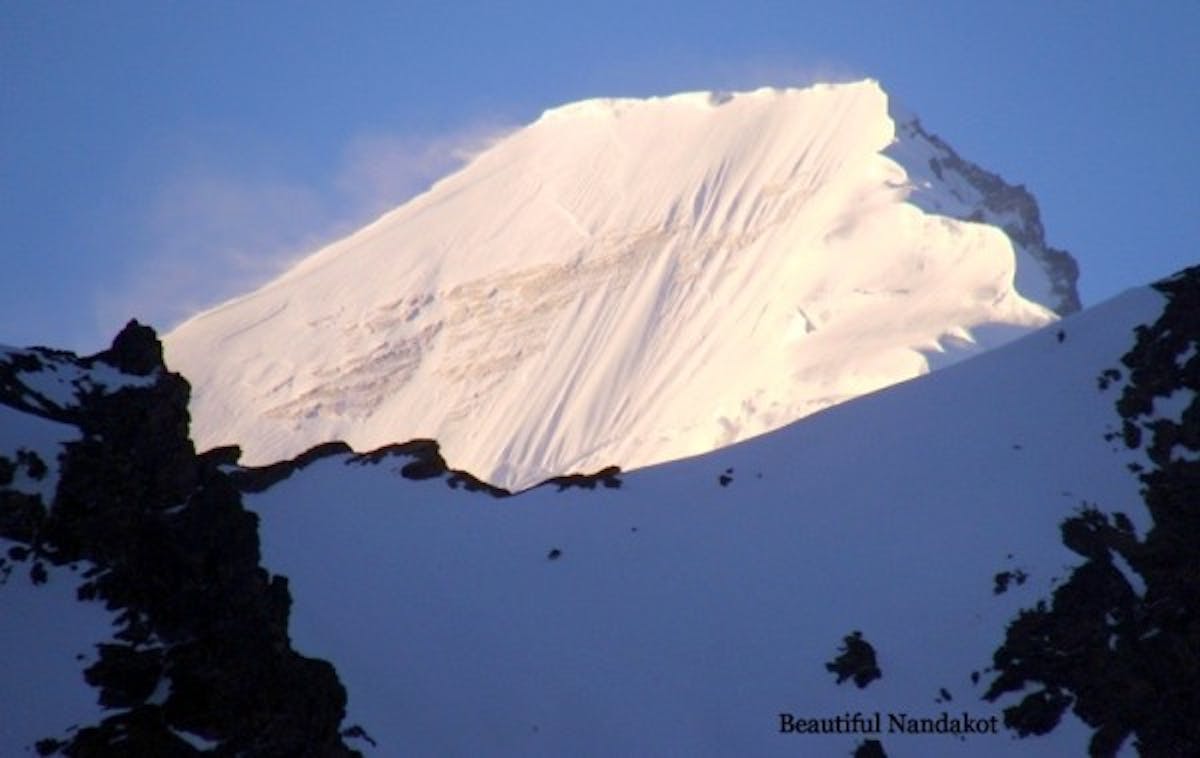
(176, 556)
(1126, 660)
(425, 461)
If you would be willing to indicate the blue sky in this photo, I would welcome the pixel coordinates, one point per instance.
(159, 157)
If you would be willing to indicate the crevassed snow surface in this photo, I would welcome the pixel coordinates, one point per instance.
(622, 281)
(682, 616)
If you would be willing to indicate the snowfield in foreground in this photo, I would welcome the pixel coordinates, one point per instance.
(683, 612)
(633, 281)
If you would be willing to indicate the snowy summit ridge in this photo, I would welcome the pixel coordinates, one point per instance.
(631, 281)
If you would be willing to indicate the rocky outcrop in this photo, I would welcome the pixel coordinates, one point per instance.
(201, 648)
(136, 350)
(856, 661)
(608, 476)
(257, 479)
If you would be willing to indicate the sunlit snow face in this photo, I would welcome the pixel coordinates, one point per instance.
(623, 281)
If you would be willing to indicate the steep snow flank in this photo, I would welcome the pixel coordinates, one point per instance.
(683, 612)
(622, 281)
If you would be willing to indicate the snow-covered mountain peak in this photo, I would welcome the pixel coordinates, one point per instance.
(630, 281)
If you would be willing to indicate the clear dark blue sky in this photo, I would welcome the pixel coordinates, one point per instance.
(156, 157)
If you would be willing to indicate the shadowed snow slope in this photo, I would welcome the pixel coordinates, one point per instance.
(632, 281)
(682, 612)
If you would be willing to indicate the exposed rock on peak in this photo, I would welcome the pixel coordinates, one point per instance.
(987, 198)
